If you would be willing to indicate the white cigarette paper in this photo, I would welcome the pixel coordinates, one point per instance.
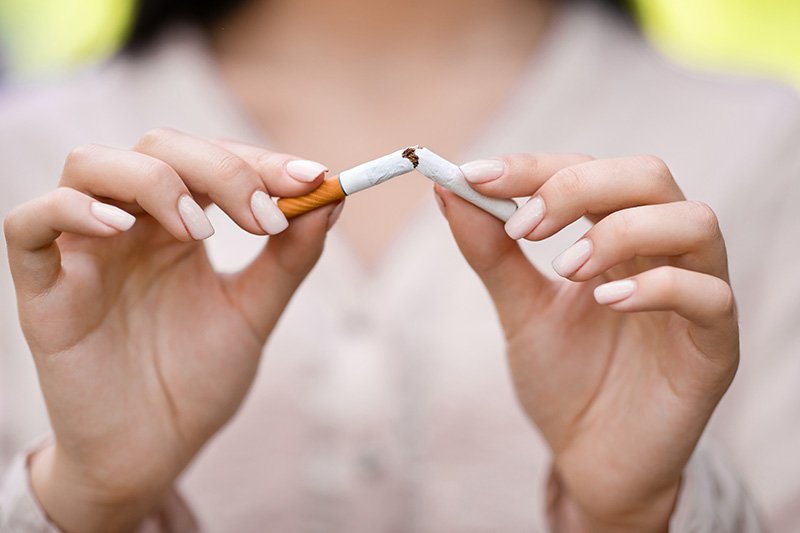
(433, 166)
(373, 172)
(449, 176)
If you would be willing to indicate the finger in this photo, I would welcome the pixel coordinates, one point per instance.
(141, 181)
(700, 298)
(516, 175)
(283, 175)
(225, 178)
(264, 287)
(31, 231)
(594, 188)
(512, 281)
(686, 231)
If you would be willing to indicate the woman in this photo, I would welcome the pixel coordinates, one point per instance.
(383, 402)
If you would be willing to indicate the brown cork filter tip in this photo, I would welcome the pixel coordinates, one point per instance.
(329, 192)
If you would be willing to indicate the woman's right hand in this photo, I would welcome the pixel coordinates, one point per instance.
(143, 351)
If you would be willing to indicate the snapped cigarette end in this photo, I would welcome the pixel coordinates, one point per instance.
(410, 153)
(449, 175)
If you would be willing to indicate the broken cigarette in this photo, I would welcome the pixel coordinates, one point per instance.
(350, 181)
(371, 173)
(449, 175)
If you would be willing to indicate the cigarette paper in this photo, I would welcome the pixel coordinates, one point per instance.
(449, 176)
(376, 171)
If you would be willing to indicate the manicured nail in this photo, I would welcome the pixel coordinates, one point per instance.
(112, 216)
(334, 216)
(573, 258)
(483, 170)
(305, 171)
(269, 217)
(439, 202)
(194, 218)
(614, 291)
(526, 218)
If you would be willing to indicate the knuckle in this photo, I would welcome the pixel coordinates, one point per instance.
(569, 181)
(705, 217)
(725, 298)
(529, 162)
(620, 225)
(12, 224)
(231, 168)
(79, 156)
(656, 167)
(267, 161)
(659, 174)
(154, 137)
(55, 200)
(156, 173)
(665, 279)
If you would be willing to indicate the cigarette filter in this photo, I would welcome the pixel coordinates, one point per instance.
(348, 182)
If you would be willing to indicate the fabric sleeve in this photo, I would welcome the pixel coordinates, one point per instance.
(711, 498)
(20, 510)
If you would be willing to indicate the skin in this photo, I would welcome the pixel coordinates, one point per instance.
(305, 91)
(108, 313)
(629, 385)
(143, 350)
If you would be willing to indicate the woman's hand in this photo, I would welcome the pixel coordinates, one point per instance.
(620, 362)
(143, 350)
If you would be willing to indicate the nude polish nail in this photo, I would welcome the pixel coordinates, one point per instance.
(526, 218)
(269, 216)
(614, 291)
(483, 170)
(112, 216)
(304, 170)
(573, 258)
(194, 218)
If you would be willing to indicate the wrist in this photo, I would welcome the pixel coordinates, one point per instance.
(650, 514)
(74, 502)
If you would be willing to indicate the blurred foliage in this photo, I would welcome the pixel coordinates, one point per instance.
(760, 36)
(46, 36)
(40, 36)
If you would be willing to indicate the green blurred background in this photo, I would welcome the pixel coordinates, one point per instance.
(42, 37)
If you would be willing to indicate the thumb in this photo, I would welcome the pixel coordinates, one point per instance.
(263, 289)
(514, 284)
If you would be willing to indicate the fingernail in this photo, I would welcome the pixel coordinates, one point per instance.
(483, 170)
(112, 216)
(334, 216)
(526, 218)
(573, 258)
(615, 291)
(439, 202)
(194, 218)
(269, 216)
(304, 170)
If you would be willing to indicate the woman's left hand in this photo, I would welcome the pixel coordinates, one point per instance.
(622, 360)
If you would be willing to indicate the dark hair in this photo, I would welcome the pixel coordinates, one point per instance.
(151, 17)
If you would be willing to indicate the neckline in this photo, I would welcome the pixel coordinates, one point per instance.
(186, 53)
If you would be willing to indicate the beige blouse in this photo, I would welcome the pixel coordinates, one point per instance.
(383, 402)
